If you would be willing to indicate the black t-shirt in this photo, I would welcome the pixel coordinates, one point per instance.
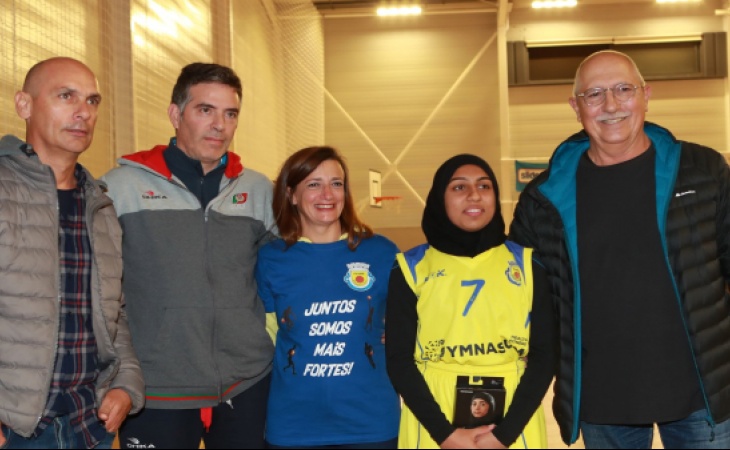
(637, 364)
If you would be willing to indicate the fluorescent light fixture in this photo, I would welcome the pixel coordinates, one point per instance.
(678, 1)
(400, 11)
(538, 4)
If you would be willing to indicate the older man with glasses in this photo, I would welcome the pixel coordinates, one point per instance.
(633, 227)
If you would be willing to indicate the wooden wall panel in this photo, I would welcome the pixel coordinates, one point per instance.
(405, 95)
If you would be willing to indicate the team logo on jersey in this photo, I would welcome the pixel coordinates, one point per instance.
(433, 350)
(240, 199)
(514, 273)
(358, 277)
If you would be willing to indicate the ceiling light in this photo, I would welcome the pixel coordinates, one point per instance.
(400, 11)
(554, 4)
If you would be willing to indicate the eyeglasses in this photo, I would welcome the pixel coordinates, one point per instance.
(622, 92)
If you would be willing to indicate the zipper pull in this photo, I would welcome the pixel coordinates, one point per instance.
(229, 402)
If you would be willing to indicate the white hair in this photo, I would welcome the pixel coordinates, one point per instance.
(603, 52)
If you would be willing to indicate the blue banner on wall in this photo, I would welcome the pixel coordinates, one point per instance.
(526, 172)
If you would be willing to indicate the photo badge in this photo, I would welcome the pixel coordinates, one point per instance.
(479, 401)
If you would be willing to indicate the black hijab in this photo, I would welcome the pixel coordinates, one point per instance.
(441, 233)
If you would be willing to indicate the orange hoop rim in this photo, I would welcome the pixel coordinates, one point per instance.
(386, 198)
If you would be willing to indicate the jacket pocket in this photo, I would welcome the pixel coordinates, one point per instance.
(180, 354)
(243, 348)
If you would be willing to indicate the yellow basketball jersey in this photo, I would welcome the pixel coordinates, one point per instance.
(473, 311)
(473, 319)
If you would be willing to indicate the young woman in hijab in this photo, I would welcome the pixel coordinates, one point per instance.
(326, 280)
(468, 304)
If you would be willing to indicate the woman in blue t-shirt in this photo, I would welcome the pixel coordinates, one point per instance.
(326, 281)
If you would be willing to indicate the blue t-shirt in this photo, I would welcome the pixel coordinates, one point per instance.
(329, 383)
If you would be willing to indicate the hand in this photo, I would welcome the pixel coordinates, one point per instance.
(114, 409)
(487, 440)
(463, 438)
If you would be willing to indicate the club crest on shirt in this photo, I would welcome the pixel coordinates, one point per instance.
(240, 199)
(358, 276)
(514, 273)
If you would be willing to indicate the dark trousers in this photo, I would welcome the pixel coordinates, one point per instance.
(238, 423)
(59, 434)
(391, 444)
(694, 431)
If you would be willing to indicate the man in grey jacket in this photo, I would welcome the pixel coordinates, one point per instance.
(193, 220)
(68, 373)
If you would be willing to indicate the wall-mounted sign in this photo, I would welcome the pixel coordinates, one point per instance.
(526, 172)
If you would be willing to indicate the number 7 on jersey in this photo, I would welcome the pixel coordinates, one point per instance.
(478, 285)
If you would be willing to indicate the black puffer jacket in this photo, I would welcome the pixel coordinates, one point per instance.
(693, 210)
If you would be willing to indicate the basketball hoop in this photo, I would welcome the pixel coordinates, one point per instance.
(385, 199)
(377, 201)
